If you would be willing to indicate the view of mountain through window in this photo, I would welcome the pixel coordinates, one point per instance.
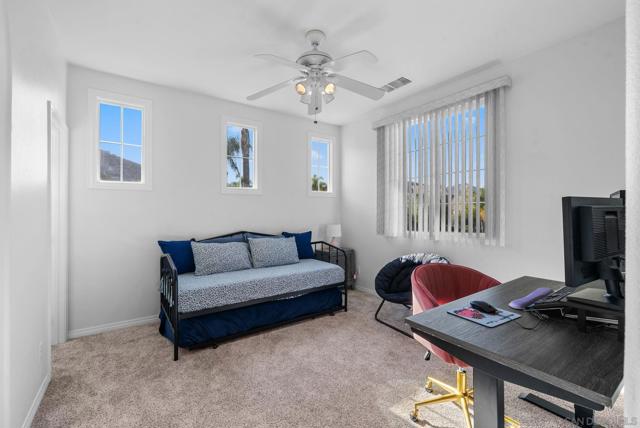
(120, 133)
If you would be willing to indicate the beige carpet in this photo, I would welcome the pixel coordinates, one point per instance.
(341, 371)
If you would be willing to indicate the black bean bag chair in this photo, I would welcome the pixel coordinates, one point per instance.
(393, 284)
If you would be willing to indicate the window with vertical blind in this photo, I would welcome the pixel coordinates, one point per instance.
(441, 168)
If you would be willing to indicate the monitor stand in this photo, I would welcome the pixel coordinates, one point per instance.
(611, 274)
(594, 300)
(598, 298)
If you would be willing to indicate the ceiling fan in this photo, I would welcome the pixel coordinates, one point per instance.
(319, 81)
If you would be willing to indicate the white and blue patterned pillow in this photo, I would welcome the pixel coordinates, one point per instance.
(267, 252)
(212, 258)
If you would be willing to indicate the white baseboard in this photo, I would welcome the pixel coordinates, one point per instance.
(88, 331)
(36, 401)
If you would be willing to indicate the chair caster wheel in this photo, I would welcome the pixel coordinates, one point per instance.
(429, 387)
(413, 416)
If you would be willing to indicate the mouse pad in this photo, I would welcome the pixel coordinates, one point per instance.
(487, 320)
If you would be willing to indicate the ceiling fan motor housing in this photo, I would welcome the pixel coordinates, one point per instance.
(314, 58)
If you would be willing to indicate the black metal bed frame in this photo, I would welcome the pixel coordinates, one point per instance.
(169, 295)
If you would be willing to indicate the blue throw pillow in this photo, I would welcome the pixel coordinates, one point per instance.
(303, 242)
(249, 235)
(238, 237)
(181, 254)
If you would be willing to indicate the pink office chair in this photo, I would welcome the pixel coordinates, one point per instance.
(434, 285)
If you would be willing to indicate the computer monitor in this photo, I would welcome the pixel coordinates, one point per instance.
(594, 243)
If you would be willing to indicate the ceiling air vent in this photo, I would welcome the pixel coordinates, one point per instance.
(396, 84)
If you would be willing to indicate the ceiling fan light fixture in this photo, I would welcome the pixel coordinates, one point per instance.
(330, 88)
(300, 88)
(327, 98)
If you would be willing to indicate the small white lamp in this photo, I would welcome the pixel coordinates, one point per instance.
(334, 232)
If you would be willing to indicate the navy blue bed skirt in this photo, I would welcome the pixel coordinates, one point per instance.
(217, 326)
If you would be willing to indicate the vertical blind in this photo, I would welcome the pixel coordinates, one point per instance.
(441, 170)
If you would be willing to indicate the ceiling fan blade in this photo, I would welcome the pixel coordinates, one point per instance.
(344, 61)
(274, 88)
(358, 87)
(280, 60)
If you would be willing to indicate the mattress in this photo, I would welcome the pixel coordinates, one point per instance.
(197, 293)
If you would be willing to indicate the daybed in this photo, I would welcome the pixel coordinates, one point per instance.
(201, 311)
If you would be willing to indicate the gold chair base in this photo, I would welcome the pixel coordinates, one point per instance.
(460, 395)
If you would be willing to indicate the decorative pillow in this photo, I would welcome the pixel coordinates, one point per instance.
(267, 252)
(214, 258)
(303, 242)
(181, 254)
(238, 237)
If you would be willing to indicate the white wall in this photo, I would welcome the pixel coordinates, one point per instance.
(113, 233)
(565, 136)
(5, 191)
(632, 340)
(38, 74)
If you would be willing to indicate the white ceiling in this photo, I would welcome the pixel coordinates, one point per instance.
(207, 46)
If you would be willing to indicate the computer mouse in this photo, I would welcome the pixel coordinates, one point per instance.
(483, 307)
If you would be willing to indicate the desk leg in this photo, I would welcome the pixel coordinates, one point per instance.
(583, 416)
(488, 400)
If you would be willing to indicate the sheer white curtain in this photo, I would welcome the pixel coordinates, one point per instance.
(441, 169)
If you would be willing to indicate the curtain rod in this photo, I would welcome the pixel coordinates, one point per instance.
(450, 99)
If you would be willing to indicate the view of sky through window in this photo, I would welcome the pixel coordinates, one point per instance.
(120, 143)
(320, 164)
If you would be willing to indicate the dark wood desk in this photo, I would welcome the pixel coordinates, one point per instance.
(555, 358)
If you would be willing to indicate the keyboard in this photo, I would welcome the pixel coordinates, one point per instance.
(555, 297)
